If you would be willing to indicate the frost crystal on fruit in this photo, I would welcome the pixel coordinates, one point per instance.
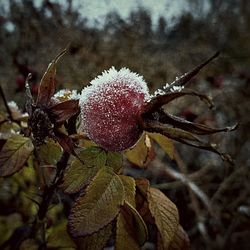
(111, 107)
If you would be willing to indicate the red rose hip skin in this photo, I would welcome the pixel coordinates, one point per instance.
(111, 107)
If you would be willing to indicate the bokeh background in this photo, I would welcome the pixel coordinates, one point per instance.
(159, 40)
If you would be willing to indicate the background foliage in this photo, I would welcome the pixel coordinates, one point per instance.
(212, 197)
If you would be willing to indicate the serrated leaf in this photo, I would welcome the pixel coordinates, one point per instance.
(142, 187)
(165, 214)
(49, 153)
(83, 170)
(114, 160)
(47, 86)
(129, 188)
(165, 143)
(131, 229)
(95, 241)
(14, 154)
(141, 153)
(134, 223)
(58, 237)
(124, 240)
(180, 240)
(98, 206)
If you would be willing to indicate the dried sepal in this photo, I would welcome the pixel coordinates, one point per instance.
(184, 137)
(47, 86)
(63, 111)
(189, 75)
(160, 100)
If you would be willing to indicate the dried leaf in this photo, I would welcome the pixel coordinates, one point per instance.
(142, 153)
(66, 142)
(14, 154)
(64, 110)
(165, 214)
(142, 187)
(83, 169)
(95, 241)
(180, 240)
(165, 143)
(99, 206)
(47, 85)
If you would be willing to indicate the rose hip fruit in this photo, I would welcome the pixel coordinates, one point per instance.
(111, 107)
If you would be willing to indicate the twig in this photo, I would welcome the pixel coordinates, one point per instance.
(6, 104)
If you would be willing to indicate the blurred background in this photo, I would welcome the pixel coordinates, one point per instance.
(159, 40)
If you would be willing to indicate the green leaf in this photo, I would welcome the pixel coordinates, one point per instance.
(49, 153)
(83, 170)
(8, 224)
(135, 225)
(14, 154)
(99, 205)
(124, 240)
(95, 241)
(141, 153)
(131, 230)
(114, 160)
(129, 188)
(165, 214)
(165, 143)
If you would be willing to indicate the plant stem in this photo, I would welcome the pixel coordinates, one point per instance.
(50, 190)
(6, 103)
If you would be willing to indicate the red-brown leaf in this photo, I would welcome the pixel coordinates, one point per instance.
(64, 110)
(47, 86)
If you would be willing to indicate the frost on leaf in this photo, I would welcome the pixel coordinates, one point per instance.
(165, 214)
(14, 154)
(98, 206)
(111, 107)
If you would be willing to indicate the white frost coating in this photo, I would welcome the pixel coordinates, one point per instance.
(177, 88)
(12, 105)
(112, 76)
(71, 94)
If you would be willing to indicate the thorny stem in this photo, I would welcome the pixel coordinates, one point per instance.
(52, 188)
(5, 103)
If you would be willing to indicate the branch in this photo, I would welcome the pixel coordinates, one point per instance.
(6, 103)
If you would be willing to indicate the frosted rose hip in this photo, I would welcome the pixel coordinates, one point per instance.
(111, 107)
